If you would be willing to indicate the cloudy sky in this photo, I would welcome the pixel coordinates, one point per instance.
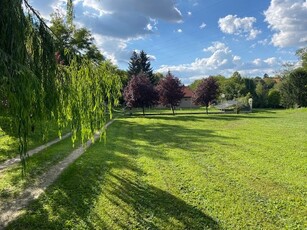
(194, 38)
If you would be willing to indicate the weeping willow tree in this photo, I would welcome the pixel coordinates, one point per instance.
(35, 86)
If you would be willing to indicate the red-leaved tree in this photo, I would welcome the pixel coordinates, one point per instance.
(140, 93)
(170, 91)
(206, 92)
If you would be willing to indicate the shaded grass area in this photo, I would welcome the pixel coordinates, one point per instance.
(9, 140)
(185, 172)
(11, 181)
(168, 111)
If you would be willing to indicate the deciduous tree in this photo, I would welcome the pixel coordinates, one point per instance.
(206, 92)
(140, 93)
(37, 88)
(78, 40)
(294, 88)
(170, 91)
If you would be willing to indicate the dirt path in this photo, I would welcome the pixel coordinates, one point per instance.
(32, 152)
(11, 210)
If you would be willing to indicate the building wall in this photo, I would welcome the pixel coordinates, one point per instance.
(186, 102)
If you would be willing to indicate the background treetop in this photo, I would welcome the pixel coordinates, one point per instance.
(140, 64)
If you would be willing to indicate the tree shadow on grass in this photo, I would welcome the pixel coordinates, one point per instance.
(155, 207)
(70, 202)
(204, 117)
(166, 135)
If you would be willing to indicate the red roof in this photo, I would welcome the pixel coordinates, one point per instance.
(187, 92)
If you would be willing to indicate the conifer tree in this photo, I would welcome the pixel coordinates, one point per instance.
(140, 64)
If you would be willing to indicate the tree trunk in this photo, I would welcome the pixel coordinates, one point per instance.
(173, 109)
(143, 111)
(207, 109)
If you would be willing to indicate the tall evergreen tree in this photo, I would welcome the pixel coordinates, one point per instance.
(134, 66)
(140, 64)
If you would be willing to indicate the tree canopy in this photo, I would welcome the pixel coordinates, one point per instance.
(140, 93)
(294, 88)
(302, 54)
(170, 91)
(206, 92)
(78, 40)
(140, 64)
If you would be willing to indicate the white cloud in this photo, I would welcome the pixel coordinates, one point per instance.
(189, 13)
(232, 24)
(179, 30)
(46, 8)
(114, 49)
(114, 23)
(263, 42)
(288, 18)
(221, 61)
(202, 26)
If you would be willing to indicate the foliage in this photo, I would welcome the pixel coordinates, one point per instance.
(234, 86)
(140, 93)
(37, 136)
(88, 93)
(167, 178)
(302, 53)
(274, 98)
(170, 91)
(79, 41)
(37, 87)
(261, 95)
(294, 88)
(157, 77)
(237, 87)
(195, 84)
(140, 64)
(27, 69)
(206, 92)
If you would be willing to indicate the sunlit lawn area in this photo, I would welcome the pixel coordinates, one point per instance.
(218, 171)
(11, 181)
(9, 137)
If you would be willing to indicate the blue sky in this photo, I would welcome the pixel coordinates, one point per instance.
(194, 38)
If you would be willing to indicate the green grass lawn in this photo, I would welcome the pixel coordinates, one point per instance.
(223, 171)
(11, 181)
(9, 139)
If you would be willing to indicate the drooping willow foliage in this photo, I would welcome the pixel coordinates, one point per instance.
(35, 87)
(87, 94)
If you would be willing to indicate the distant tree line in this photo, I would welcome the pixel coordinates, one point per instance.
(286, 90)
(144, 88)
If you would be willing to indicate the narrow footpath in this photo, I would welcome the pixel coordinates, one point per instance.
(38, 149)
(11, 210)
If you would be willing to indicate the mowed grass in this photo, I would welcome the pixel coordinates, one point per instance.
(11, 181)
(41, 134)
(224, 171)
